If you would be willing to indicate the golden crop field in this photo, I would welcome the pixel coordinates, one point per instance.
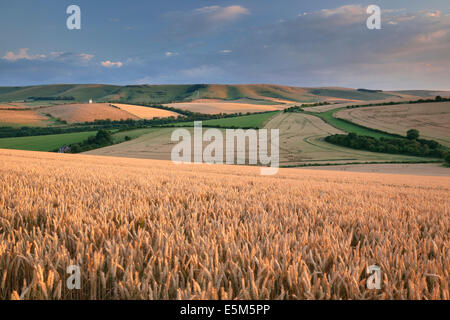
(145, 112)
(149, 229)
(431, 119)
(73, 113)
(22, 117)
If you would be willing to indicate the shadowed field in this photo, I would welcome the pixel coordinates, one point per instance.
(147, 229)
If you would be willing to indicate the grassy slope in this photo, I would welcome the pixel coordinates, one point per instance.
(350, 94)
(133, 134)
(170, 93)
(348, 126)
(44, 143)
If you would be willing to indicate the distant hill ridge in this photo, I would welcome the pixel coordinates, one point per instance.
(188, 92)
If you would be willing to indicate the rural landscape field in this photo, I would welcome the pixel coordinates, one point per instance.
(153, 230)
(222, 158)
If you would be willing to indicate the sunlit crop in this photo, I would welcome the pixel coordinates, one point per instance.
(147, 229)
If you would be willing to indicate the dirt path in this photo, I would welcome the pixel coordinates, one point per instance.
(422, 169)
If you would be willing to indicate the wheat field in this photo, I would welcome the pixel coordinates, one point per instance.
(149, 229)
(145, 112)
(22, 117)
(73, 113)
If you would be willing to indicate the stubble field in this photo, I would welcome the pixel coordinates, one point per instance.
(148, 229)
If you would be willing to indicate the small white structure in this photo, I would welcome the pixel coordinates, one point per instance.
(90, 101)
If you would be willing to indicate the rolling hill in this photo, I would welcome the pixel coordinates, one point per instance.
(251, 93)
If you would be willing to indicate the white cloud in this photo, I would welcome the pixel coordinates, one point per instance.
(171, 54)
(225, 51)
(110, 64)
(22, 54)
(86, 56)
(222, 14)
(436, 14)
(204, 20)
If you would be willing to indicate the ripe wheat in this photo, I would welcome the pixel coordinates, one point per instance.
(147, 229)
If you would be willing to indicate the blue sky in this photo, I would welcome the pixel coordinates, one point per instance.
(300, 43)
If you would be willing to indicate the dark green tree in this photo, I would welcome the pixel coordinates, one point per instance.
(412, 134)
(447, 159)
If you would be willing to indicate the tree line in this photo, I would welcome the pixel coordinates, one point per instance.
(411, 145)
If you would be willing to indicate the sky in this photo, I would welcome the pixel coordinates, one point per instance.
(297, 43)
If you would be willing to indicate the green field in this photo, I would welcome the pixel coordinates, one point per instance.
(133, 134)
(348, 126)
(44, 143)
(250, 121)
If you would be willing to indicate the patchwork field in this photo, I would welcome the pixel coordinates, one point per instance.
(145, 112)
(216, 107)
(431, 119)
(301, 142)
(141, 229)
(22, 117)
(73, 113)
